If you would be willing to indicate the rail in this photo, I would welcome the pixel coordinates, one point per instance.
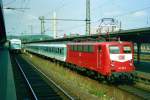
(31, 89)
(70, 97)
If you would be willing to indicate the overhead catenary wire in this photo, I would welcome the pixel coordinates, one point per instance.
(25, 4)
(56, 9)
(8, 3)
(127, 13)
(74, 27)
(100, 6)
(66, 19)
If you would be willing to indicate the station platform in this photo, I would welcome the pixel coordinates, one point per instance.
(143, 66)
(7, 85)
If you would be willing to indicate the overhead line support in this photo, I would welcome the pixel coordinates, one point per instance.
(88, 26)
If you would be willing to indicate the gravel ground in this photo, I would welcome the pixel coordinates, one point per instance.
(81, 87)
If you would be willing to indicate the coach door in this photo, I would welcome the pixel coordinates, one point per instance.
(99, 54)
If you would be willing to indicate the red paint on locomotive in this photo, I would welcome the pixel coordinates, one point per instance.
(102, 57)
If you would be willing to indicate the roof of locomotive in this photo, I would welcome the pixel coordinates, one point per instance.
(14, 40)
(100, 43)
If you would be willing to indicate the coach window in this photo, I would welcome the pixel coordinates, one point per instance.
(85, 48)
(71, 47)
(45, 49)
(80, 48)
(62, 50)
(114, 49)
(49, 49)
(75, 47)
(127, 49)
(56, 50)
(42, 48)
(90, 48)
(52, 49)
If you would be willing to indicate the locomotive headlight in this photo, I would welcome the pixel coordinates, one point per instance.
(112, 61)
(112, 65)
(131, 62)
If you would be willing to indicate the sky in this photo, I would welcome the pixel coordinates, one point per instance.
(132, 14)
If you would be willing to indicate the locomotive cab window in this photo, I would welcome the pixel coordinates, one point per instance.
(127, 49)
(114, 49)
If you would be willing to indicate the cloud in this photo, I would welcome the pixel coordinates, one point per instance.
(140, 14)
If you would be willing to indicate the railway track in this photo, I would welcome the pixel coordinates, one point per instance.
(36, 87)
(143, 94)
(142, 77)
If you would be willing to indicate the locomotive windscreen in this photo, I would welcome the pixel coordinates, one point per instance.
(127, 49)
(114, 49)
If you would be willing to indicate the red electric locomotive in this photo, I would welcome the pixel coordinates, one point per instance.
(109, 59)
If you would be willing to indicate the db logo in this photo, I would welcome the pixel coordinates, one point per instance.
(121, 57)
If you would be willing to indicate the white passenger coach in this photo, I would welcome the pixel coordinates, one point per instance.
(15, 45)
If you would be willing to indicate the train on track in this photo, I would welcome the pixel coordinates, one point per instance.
(109, 60)
(15, 45)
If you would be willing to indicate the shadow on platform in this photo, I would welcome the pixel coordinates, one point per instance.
(142, 66)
